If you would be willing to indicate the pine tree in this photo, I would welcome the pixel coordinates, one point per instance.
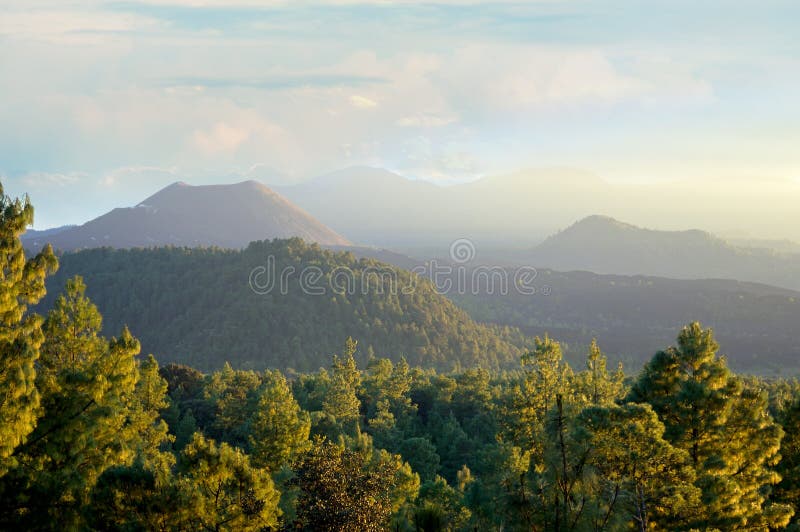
(223, 491)
(233, 394)
(21, 284)
(788, 490)
(546, 376)
(641, 481)
(342, 489)
(145, 433)
(341, 400)
(136, 498)
(731, 439)
(279, 429)
(595, 385)
(86, 384)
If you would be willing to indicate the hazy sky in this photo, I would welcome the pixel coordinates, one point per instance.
(102, 103)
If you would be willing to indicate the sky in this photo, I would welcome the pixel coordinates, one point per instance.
(103, 103)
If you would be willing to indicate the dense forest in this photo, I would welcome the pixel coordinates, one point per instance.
(196, 306)
(94, 436)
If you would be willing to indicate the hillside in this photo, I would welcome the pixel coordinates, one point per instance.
(195, 306)
(604, 245)
(634, 316)
(228, 216)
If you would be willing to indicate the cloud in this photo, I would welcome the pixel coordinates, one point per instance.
(221, 138)
(362, 102)
(49, 180)
(423, 120)
(138, 174)
(275, 82)
(80, 26)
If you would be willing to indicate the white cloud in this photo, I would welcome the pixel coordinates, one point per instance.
(425, 120)
(47, 179)
(138, 174)
(362, 102)
(82, 26)
(221, 138)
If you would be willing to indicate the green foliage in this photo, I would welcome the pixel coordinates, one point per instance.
(341, 402)
(87, 385)
(638, 479)
(279, 429)
(135, 498)
(194, 306)
(222, 489)
(341, 490)
(546, 376)
(788, 490)
(232, 395)
(22, 283)
(440, 508)
(725, 427)
(87, 430)
(595, 385)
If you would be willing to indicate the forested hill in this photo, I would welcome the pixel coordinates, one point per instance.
(196, 306)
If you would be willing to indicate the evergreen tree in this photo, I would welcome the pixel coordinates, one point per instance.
(136, 498)
(788, 490)
(223, 491)
(440, 508)
(641, 481)
(146, 433)
(546, 376)
(86, 384)
(341, 401)
(595, 385)
(343, 490)
(21, 284)
(279, 429)
(233, 394)
(731, 439)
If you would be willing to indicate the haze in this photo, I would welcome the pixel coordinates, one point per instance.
(688, 111)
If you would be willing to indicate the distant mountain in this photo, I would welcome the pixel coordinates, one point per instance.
(783, 246)
(34, 234)
(602, 244)
(204, 307)
(229, 216)
(378, 207)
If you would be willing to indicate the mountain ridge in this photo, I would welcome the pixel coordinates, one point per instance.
(190, 215)
(605, 245)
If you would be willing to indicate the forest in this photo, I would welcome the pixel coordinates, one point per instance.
(95, 436)
(195, 306)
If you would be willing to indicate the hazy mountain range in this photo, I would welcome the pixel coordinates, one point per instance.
(377, 207)
(634, 309)
(604, 245)
(228, 216)
(363, 206)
